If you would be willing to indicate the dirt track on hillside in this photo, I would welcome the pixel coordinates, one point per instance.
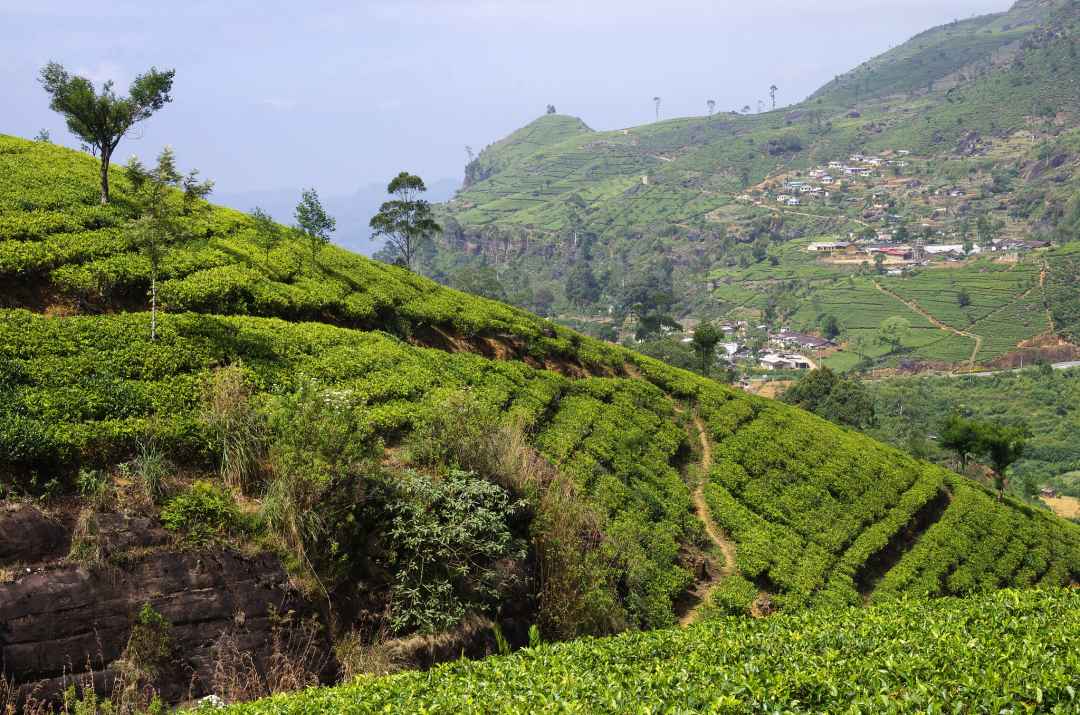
(715, 533)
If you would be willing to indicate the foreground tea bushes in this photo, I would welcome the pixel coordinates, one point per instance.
(1009, 652)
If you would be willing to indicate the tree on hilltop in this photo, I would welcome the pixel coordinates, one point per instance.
(314, 222)
(773, 89)
(656, 101)
(102, 119)
(711, 104)
(405, 221)
(551, 109)
(164, 198)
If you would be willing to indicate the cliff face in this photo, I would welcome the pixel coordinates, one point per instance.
(65, 624)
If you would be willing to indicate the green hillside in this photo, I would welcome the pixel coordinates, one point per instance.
(381, 369)
(1006, 653)
(973, 46)
(978, 118)
(911, 410)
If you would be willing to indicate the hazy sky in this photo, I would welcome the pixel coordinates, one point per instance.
(338, 95)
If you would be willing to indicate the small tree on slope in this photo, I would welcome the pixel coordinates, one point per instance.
(314, 222)
(166, 200)
(102, 120)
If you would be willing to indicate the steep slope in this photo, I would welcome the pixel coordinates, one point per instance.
(972, 124)
(974, 46)
(546, 131)
(694, 164)
(817, 513)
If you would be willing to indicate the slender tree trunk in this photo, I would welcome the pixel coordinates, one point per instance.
(153, 308)
(106, 157)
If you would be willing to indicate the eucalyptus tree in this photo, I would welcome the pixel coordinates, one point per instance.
(101, 119)
(405, 221)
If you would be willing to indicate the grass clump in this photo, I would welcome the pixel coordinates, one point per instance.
(203, 514)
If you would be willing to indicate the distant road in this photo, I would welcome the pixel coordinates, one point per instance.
(991, 373)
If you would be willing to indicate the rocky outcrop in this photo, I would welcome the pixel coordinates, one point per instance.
(28, 536)
(67, 623)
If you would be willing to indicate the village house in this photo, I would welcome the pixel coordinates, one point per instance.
(957, 248)
(836, 165)
(794, 202)
(827, 246)
(787, 338)
(784, 361)
(827, 180)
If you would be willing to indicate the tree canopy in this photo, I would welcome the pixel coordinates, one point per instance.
(405, 221)
(842, 400)
(101, 119)
(705, 339)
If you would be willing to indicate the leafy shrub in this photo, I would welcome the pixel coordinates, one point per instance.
(732, 597)
(150, 645)
(447, 535)
(457, 430)
(203, 514)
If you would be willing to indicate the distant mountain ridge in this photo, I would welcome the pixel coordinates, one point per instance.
(984, 110)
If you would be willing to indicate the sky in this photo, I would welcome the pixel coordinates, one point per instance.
(339, 95)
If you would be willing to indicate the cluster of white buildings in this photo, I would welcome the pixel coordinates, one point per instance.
(779, 355)
(823, 178)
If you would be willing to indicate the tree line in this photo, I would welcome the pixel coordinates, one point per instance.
(165, 199)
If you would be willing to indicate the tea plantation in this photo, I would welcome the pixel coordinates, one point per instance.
(1009, 652)
(818, 515)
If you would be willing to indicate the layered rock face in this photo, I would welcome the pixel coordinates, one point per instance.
(64, 623)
